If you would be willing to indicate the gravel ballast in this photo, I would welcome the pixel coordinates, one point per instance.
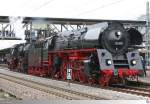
(104, 93)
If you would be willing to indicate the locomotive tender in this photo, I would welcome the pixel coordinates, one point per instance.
(103, 53)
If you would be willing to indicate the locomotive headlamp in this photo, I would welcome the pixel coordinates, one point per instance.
(133, 62)
(108, 62)
(118, 33)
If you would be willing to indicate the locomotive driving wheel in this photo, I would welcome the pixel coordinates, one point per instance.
(80, 75)
(63, 70)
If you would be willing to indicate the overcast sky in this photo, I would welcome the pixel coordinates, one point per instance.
(100, 9)
(92, 9)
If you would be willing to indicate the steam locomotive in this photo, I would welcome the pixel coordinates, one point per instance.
(103, 53)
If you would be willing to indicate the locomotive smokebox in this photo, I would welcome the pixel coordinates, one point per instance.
(114, 38)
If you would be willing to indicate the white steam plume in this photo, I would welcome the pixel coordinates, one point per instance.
(17, 26)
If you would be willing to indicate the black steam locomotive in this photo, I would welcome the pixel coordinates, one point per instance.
(103, 53)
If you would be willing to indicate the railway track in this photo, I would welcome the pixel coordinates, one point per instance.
(132, 90)
(69, 94)
(53, 90)
(124, 89)
(127, 89)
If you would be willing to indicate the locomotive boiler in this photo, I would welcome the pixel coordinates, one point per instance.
(103, 53)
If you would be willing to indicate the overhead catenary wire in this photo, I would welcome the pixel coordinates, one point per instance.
(42, 5)
(100, 7)
(35, 7)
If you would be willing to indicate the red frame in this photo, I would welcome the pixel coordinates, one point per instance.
(74, 58)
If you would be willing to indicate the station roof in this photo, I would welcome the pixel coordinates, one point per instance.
(9, 38)
(71, 21)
